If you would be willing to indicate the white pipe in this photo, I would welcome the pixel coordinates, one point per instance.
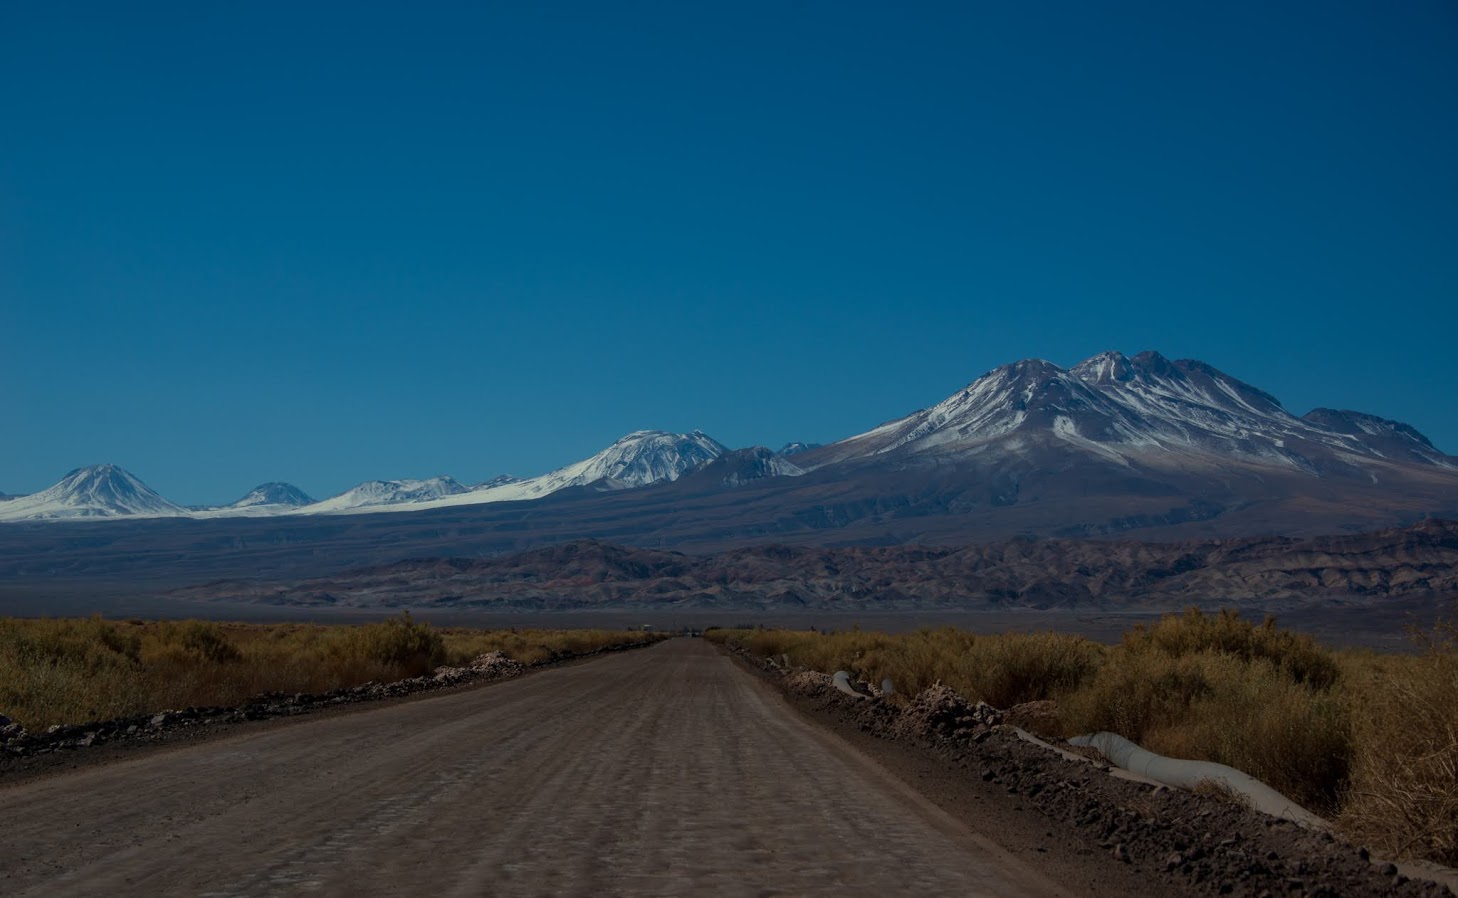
(841, 681)
(1189, 774)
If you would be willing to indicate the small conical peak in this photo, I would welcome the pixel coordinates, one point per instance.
(274, 493)
(93, 491)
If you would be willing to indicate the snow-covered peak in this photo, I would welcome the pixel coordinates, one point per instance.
(640, 459)
(995, 404)
(796, 448)
(645, 457)
(1144, 407)
(280, 495)
(98, 491)
(378, 493)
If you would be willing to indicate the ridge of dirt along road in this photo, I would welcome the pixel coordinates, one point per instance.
(666, 771)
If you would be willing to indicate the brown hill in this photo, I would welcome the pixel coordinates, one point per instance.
(1421, 560)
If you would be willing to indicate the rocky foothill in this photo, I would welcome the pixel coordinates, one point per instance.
(1194, 843)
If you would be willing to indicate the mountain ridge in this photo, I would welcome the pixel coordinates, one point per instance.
(1112, 444)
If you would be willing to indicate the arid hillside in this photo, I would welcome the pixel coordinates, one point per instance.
(1421, 560)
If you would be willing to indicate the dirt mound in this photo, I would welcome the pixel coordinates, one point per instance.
(940, 713)
(1039, 718)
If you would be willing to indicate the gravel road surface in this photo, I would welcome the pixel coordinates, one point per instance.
(664, 771)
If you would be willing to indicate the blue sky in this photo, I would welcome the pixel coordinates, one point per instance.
(325, 243)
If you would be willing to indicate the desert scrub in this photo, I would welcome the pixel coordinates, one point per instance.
(1370, 739)
(1404, 783)
(1205, 687)
(1003, 670)
(1226, 633)
(55, 670)
(1212, 706)
(78, 670)
(534, 646)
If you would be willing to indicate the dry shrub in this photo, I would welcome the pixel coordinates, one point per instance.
(1226, 633)
(1241, 709)
(534, 646)
(1404, 790)
(57, 670)
(74, 671)
(191, 642)
(1002, 670)
(1015, 668)
(399, 644)
(1213, 688)
(1371, 737)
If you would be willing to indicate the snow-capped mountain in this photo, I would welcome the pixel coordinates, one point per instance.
(98, 491)
(264, 500)
(1114, 443)
(1145, 408)
(640, 459)
(274, 494)
(383, 494)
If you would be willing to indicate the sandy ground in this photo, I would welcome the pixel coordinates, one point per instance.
(667, 771)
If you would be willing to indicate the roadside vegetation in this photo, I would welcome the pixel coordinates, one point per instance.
(62, 671)
(1370, 740)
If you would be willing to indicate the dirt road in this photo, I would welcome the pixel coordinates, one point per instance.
(666, 771)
